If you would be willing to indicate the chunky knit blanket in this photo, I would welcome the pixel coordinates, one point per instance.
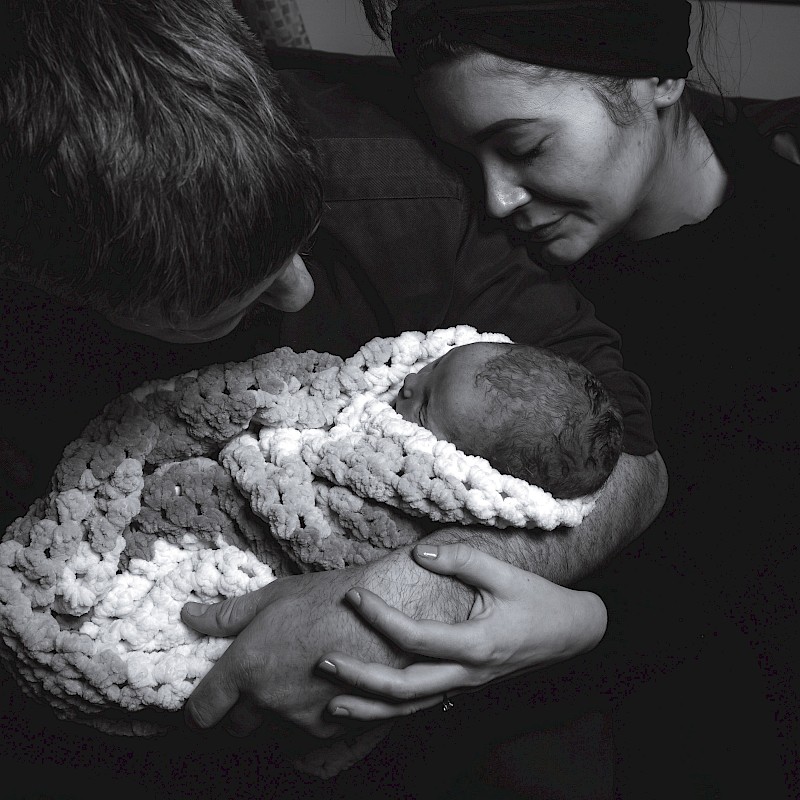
(210, 485)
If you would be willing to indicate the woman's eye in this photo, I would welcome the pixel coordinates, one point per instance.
(525, 156)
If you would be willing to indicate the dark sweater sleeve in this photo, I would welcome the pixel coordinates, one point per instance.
(655, 621)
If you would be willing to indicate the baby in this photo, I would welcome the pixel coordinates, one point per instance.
(529, 412)
(147, 499)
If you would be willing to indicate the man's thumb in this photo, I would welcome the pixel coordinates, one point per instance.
(226, 618)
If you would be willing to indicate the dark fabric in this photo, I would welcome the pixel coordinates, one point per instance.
(627, 38)
(709, 322)
(713, 332)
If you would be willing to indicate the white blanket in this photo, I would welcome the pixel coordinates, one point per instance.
(153, 506)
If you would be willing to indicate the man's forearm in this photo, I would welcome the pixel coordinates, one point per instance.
(286, 627)
(631, 500)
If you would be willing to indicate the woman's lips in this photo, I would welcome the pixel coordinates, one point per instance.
(541, 233)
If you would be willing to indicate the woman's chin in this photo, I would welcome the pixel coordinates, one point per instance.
(559, 252)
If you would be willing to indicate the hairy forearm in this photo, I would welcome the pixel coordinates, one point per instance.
(285, 628)
(631, 500)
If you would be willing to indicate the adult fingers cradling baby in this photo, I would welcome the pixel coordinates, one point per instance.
(519, 621)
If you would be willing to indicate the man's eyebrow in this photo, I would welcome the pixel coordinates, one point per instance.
(501, 125)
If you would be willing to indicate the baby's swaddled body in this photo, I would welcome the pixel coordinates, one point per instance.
(164, 499)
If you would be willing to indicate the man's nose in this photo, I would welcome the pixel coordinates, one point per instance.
(504, 195)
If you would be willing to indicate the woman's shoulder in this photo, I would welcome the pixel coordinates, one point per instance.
(758, 144)
(775, 122)
(759, 214)
(778, 122)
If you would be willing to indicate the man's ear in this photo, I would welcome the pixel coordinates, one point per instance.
(668, 91)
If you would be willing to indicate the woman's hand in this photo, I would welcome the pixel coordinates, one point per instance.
(519, 622)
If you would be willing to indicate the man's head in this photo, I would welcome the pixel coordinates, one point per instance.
(530, 412)
(155, 169)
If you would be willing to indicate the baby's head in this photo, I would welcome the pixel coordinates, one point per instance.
(529, 412)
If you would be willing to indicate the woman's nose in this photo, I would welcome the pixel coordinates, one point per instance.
(504, 195)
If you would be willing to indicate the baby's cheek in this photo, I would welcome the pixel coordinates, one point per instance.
(403, 408)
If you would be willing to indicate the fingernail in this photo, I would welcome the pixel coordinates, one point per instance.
(340, 712)
(427, 551)
(195, 609)
(354, 596)
(327, 666)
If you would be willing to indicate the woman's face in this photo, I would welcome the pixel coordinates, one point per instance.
(554, 163)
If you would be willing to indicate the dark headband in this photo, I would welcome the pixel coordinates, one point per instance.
(626, 38)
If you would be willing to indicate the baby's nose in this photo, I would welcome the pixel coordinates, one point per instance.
(408, 386)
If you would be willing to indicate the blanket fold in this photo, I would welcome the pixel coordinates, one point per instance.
(210, 485)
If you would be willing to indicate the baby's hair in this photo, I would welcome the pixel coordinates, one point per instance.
(152, 156)
(565, 432)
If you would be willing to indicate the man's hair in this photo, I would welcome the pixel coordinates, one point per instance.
(564, 429)
(149, 153)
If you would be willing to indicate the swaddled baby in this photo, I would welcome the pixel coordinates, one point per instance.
(529, 412)
(164, 497)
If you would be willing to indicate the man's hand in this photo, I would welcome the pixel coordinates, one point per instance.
(284, 629)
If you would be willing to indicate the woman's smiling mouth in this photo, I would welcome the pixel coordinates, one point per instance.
(541, 233)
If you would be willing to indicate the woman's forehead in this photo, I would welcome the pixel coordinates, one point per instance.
(471, 93)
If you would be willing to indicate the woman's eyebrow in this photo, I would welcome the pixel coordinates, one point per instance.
(500, 126)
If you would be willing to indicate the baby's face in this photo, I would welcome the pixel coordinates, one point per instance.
(446, 398)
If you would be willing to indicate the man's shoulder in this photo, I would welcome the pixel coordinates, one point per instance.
(370, 148)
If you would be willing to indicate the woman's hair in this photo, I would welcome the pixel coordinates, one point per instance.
(560, 428)
(151, 155)
(613, 91)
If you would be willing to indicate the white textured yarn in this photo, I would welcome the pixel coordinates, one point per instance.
(141, 519)
(374, 452)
